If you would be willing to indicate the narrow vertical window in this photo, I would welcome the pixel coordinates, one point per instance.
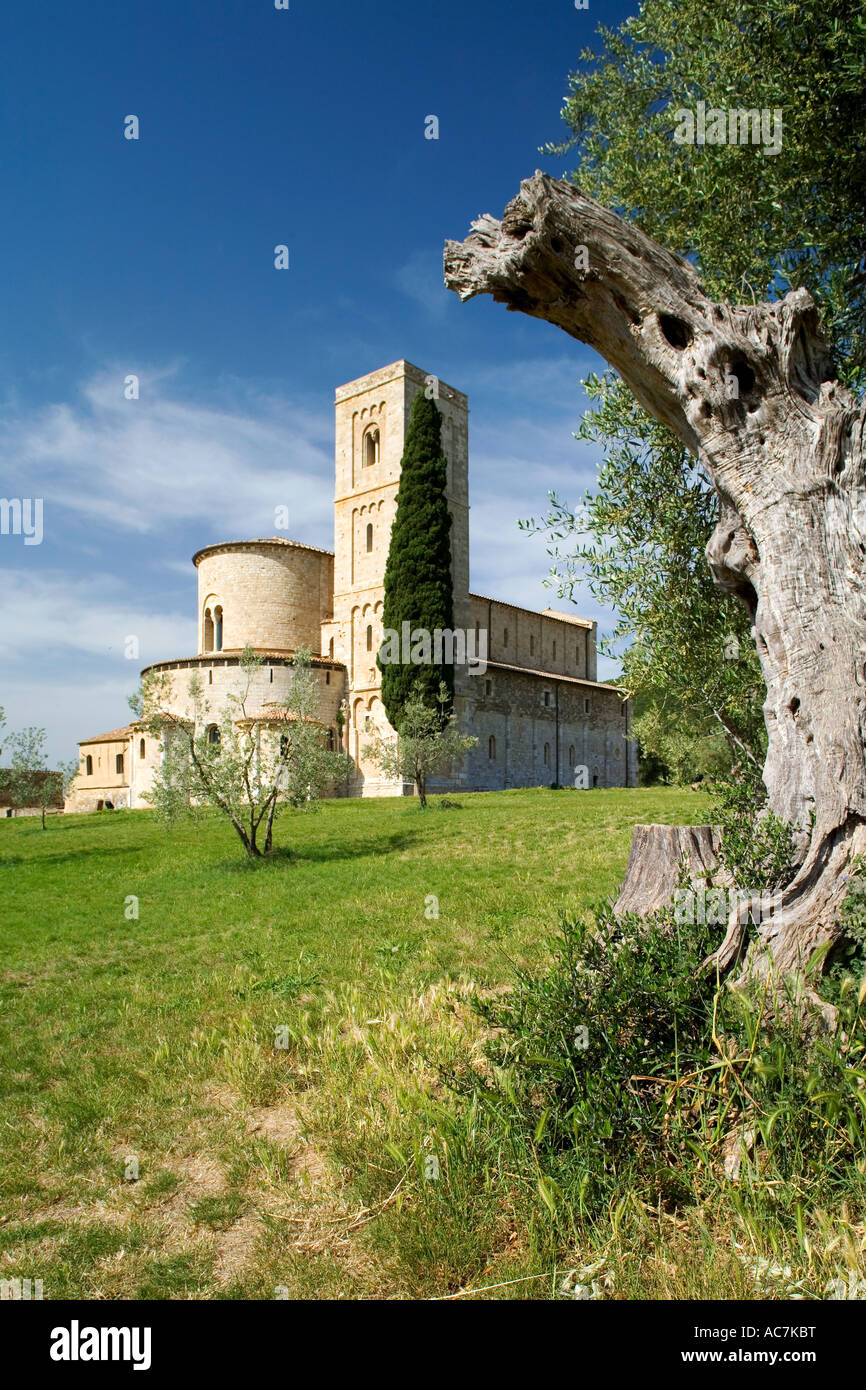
(491, 747)
(371, 447)
(369, 637)
(369, 537)
(218, 629)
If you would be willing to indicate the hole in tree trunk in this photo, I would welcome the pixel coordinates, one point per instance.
(678, 334)
(745, 377)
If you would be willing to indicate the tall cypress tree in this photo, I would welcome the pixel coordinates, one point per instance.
(418, 581)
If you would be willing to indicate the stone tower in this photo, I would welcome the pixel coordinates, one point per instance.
(372, 417)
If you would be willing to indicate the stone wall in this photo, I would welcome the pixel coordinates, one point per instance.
(542, 729)
(274, 594)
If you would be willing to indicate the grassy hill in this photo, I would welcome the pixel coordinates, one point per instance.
(223, 1079)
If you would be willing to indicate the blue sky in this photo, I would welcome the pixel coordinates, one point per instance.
(155, 258)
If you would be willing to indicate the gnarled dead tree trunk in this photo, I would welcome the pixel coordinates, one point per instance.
(749, 391)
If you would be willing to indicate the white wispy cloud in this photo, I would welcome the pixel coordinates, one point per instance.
(139, 465)
(56, 615)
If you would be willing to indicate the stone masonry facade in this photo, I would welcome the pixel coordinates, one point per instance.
(538, 712)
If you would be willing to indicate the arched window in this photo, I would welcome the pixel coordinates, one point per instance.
(491, 747)
(331, 647)
(547, 755)
(213, 736)
(141, 748)
(88, 766)
(218, 629)
(118, 763)
(208, 631)
(571, 755)
(369, 537)
(369, 637)
(284, 745)
(371, 447)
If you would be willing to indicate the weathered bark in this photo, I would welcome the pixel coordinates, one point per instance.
(655, 864)
(749, 391)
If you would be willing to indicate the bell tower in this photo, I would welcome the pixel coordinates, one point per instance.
(372, 418)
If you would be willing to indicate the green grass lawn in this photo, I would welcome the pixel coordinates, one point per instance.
(206, 1100)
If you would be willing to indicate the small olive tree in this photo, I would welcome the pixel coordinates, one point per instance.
(245, 762)
(29, 780)
(427, 740)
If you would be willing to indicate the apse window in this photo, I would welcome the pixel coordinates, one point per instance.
(369, 537)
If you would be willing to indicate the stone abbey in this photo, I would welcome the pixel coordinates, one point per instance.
(537, 711)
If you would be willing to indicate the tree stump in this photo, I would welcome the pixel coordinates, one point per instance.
(655, 864)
